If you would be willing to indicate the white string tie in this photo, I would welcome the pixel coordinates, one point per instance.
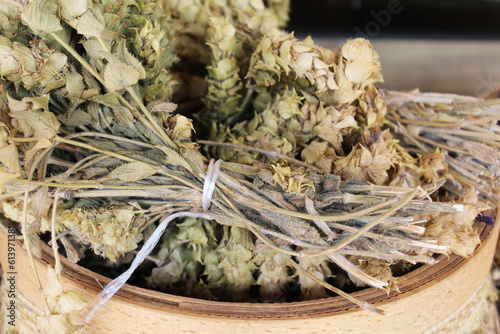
(115, 285)
(209, 185)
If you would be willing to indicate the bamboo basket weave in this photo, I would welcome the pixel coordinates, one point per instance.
(455, 295)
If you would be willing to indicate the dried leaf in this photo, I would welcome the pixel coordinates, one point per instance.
(38, 124)
(482, 152)
(295, 227)
(28, 103)
(51, 68)
(10, 158)
(127, 58)
(357, 49)
(314, 151)
(25, 57)
(74, 85)
(175, 158)
(61, 304)
(87, 25)
(32, 153)
(161, 106)
(76, 117)
(5, 48)
(70, 301)
(118, 75)
(40, 203)
(53, 289)
(195, 159)
(132, 172)
(123, 116)
(108, 99)
(5, 178)
(95, 51)
(359, 71)
(40, 16)
(10, 67)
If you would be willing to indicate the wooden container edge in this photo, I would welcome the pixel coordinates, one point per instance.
(328, 308)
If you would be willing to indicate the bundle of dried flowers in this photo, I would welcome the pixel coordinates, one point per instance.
(321, 170)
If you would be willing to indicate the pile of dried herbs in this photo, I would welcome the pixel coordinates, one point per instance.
(110, 111)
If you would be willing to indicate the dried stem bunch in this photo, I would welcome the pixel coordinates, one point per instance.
(320, 170)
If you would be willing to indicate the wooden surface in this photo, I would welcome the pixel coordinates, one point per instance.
(429, 295)
(467, 67)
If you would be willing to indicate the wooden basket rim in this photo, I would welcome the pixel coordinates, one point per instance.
(408, 283)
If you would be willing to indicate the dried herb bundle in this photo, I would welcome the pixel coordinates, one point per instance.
(319, 166)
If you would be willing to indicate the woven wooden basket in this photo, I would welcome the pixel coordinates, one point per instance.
(454, 296)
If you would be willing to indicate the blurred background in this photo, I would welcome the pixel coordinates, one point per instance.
(450, 46)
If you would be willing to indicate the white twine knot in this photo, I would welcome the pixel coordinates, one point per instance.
(209, 185)
(150, 244)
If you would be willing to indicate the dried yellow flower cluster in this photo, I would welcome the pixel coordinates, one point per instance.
(110, 231)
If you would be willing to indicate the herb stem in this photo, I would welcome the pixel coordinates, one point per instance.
(270, 154)
(105, 135)
(369, 226)
(58, 266)
(134, 96)
(160, 131)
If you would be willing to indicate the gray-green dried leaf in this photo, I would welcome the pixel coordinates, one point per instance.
(76, 117)
(87, 25)
(175, 158)
(41, 124)
(132, 172)
(40, 16)
(51, 68)
(74, 85)
(119, 75)
(127, 58)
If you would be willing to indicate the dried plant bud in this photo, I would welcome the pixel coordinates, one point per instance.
(378, 269)
(231, 270)
(306, 101)
(356, 70)
(371, 160)
(62, 305)
(72, 9)
(274, 276)
(432, 167)
(32, 68)
(110, 231)
(12, 27)
(200, 234)
(455, 229)
(282, 10)
(223, 99)
(372, 108)
(318, 267)
(281, 55)
(293, 182)
(182, 129)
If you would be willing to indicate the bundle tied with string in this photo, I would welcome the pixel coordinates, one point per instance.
(317, 180)
(117, 283)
